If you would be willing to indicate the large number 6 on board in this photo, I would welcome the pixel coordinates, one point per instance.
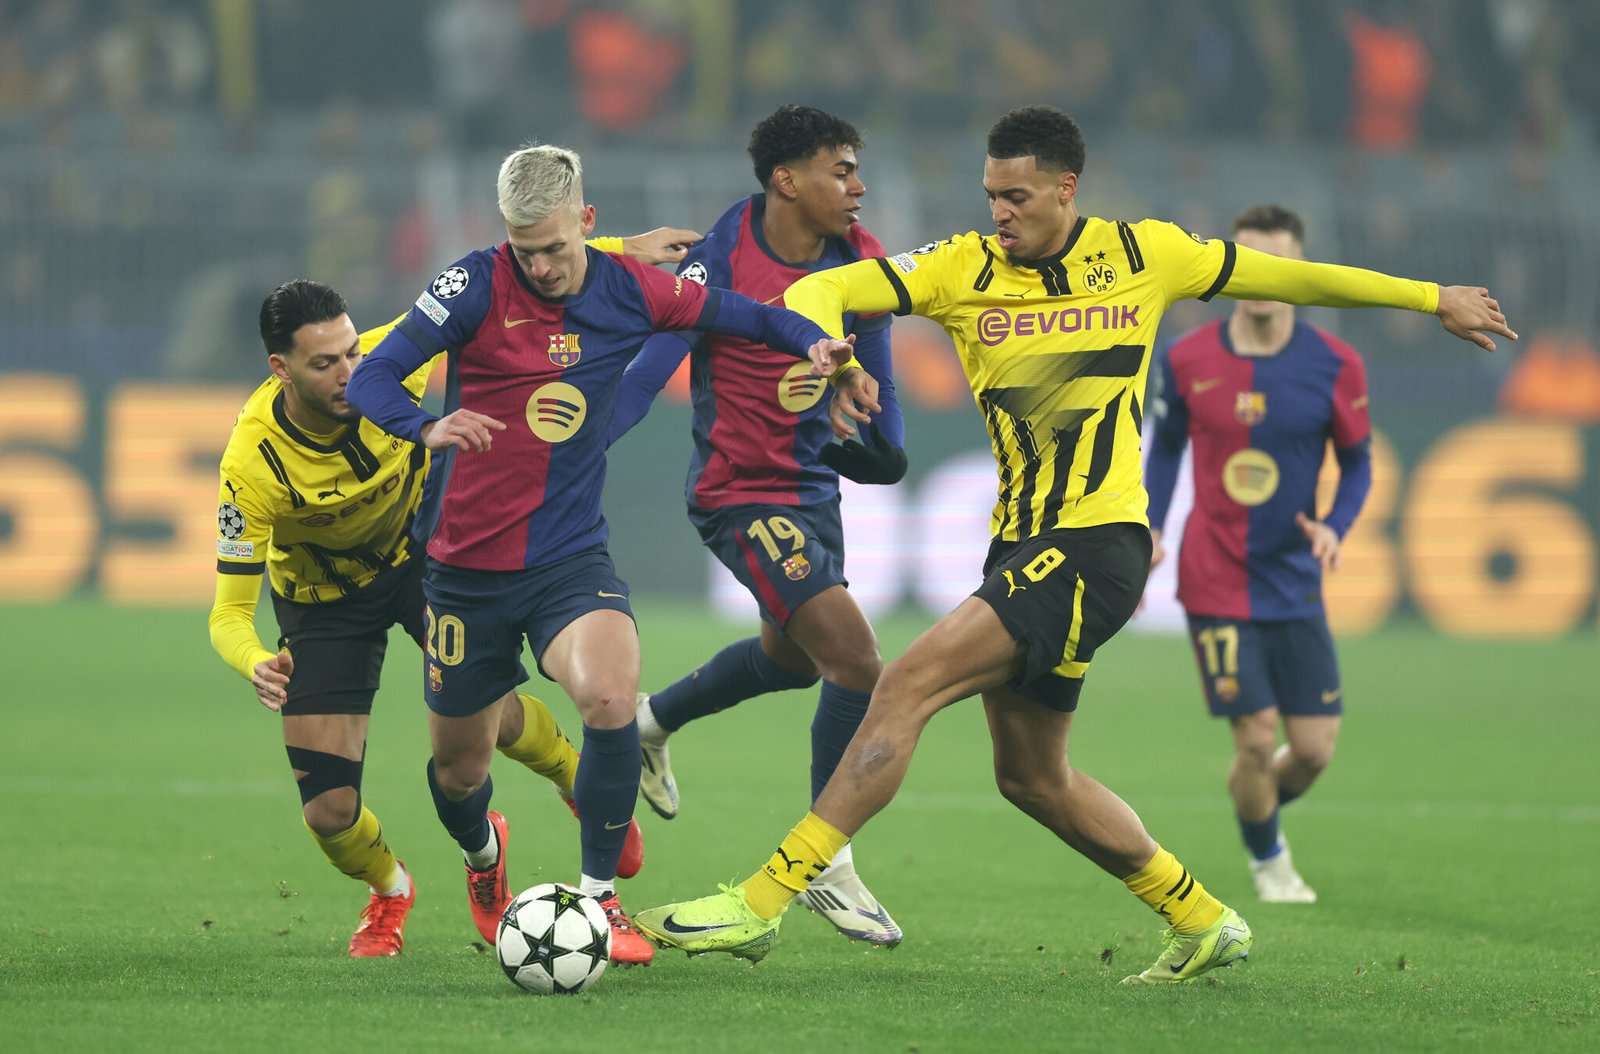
(773, 528)
(447, 639)
(1043, 564)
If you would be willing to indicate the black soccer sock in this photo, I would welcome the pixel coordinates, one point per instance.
(606, 789)
(839, 714)
(732, 675)
(467, 820)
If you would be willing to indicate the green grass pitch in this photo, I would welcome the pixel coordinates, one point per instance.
(160, 892)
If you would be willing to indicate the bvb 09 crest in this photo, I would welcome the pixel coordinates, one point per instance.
(564, 350)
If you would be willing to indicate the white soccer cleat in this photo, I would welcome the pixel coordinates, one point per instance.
(656, 784)
(841, 898)
(1277, 882)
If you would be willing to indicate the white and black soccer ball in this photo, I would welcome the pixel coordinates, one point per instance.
(553, 940)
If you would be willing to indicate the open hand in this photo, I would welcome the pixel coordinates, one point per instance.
(271, 680)
(1471, 314)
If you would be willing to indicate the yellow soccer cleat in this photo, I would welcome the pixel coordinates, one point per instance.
(722, 922)
(1183, 958)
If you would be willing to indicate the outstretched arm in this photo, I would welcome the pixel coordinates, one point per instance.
(644, 378)
(1468, 312)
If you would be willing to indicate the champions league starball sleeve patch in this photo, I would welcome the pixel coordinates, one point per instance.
(230, 521)
(695, 272)
(451, 282)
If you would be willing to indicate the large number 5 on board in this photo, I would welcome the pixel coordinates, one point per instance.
(774, 528)
(447, 639)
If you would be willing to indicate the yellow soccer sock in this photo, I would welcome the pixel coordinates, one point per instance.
(804, 855)
(1174, 894)
(543, 747)
(362, 852)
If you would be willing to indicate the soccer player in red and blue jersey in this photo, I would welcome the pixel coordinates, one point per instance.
(763, 486)
(539, 330)
(1260, 396)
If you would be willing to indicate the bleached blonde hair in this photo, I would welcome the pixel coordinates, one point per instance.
(536, 181)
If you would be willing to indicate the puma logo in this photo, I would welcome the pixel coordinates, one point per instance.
(335, 492)
(1011, 585)
(788, 864)
(233, 492)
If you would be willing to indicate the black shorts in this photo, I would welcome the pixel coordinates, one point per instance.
(1062, 594)
(1246, 666)
(783, 554)
(338, 647)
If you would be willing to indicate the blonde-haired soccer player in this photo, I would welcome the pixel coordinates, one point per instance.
(1053, 316)
(322, 502)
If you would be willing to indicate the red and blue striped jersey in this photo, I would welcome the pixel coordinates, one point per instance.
(1259, 427)
(548, 368)
(760, 419)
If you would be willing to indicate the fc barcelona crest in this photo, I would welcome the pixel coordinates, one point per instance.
(564, 350)
(796, 567)
(1249, 407)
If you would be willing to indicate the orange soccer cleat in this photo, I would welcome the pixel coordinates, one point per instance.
(383, 923)
(487, 893)
(628, 947)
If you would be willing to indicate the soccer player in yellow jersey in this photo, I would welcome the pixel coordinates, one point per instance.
(322, 502)
(1053, 316)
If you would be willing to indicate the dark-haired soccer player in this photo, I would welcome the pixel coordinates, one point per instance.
(539, 330)
(763, 486)
(1261, 396)
(1053, 317)
(323, 503)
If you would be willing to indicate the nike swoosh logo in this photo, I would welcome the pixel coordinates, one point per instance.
(1204, 386)
(1181, 965)
(669, 926)
(619, 596)
(616, 826)
(513, 323)
(1331, 697)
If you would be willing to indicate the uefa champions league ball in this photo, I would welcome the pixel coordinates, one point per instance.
(553, 940)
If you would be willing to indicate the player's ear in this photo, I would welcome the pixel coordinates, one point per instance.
(1067, 188)
(586, 219)
(782, 182)
(279, 366)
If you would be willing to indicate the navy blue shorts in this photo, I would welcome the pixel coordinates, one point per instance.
(783, 554)
(476, 622)
(1247, 666)
(1062, 594)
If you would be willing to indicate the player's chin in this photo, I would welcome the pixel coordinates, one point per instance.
(343, 411)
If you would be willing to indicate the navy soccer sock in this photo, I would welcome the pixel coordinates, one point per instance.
(467, 820)
(1261, 838)
(839, 714)
(606, 788)
(732, 675)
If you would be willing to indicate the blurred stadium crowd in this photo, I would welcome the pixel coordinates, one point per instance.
(1384, 74)
(166, 161)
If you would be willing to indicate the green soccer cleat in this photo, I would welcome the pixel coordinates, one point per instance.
(1186, 957)
(722, 922)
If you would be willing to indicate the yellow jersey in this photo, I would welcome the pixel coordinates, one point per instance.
(1057, 350)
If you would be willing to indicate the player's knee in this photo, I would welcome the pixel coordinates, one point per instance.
(857, 670)
(1255, 742)
(1028, 791)
(333, 811)
(330, 789)
(1312, 758)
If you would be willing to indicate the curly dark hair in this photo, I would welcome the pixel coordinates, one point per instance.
(794, 133)
(1270, 218)
(1043, 133)
(295, 304)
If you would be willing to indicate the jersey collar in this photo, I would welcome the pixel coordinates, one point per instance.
(280, 413)
(1054, 259)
